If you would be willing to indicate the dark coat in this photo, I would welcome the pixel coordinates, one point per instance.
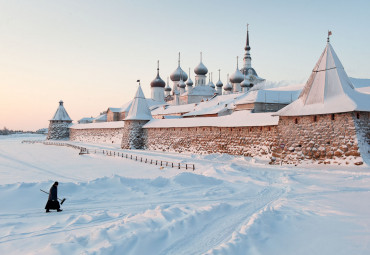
(53, 202)
(53, 193)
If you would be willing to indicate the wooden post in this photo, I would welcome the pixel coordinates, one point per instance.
(179, 165)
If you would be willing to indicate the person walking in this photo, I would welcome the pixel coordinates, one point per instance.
(53, 202)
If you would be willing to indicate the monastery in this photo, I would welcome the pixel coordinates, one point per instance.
(325, 123)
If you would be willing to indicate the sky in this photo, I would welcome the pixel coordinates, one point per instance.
(90, 53)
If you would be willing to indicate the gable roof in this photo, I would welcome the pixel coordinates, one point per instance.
(139, 109)
(61, 113)
(328, 90)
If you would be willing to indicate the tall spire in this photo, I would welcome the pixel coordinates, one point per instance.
(247, 47)
(247, 57)
(179, 58)
(157, 67)
(219, 74)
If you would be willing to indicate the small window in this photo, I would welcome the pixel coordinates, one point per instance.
(314, 118)
(296, 121)
(358, 115)
(333, 117)
(269, 128)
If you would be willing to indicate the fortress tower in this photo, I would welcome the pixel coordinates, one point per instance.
(59, 124)
(134, 136)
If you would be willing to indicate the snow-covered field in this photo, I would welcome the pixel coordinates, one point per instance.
(228, 205)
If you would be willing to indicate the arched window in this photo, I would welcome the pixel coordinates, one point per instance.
(315, 118)
(296, 121)
(333, 116)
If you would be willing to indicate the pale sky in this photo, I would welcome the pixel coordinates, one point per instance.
(90, 53)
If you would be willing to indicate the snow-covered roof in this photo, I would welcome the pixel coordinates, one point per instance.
(61, 113)
(236, 119)
(139, 109)
(114, 109)
(328, 90)
(151, 102)
(173, 109)
(215, 105)
(269, 96)
(101, 117)
(201, 90)
(111, 124)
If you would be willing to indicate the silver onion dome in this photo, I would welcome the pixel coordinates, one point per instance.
(178, 73)
(236, 77)
(200, 69)
(219, 83)
(158, 82)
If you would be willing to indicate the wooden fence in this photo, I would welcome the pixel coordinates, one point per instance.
(142, 159)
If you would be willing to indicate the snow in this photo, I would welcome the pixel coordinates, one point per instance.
(236, 119)
(61, 113)
(111, 124)
(173, 109)
(114, 109)
(215, 105)
(228, 205)
(328, 90)
(274, 96)
(139, 109)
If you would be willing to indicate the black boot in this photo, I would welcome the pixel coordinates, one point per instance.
(59, 210)
(47, 210)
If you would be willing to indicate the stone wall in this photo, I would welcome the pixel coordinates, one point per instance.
(58, 130)
(97, 135)
(328, 139)
(246, 141)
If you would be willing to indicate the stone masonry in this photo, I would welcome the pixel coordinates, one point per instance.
(134, 136)
(328, 139)
(246, 141)
(97, 135)
(58, 130)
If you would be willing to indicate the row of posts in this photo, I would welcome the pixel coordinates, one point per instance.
(151, 161)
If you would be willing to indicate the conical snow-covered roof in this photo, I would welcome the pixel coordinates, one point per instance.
(328, 90)
(61, 113)
(139, 109)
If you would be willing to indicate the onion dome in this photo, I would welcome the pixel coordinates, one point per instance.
(245, 83)
(211, 82)
(219, 83)
(167, 88)
(237, 76)
(182, 84)
(178, 73)
(200, 69)
(189, 82)
(158, 82)
(228, 86)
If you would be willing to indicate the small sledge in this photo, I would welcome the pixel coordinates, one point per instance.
(61, 200)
